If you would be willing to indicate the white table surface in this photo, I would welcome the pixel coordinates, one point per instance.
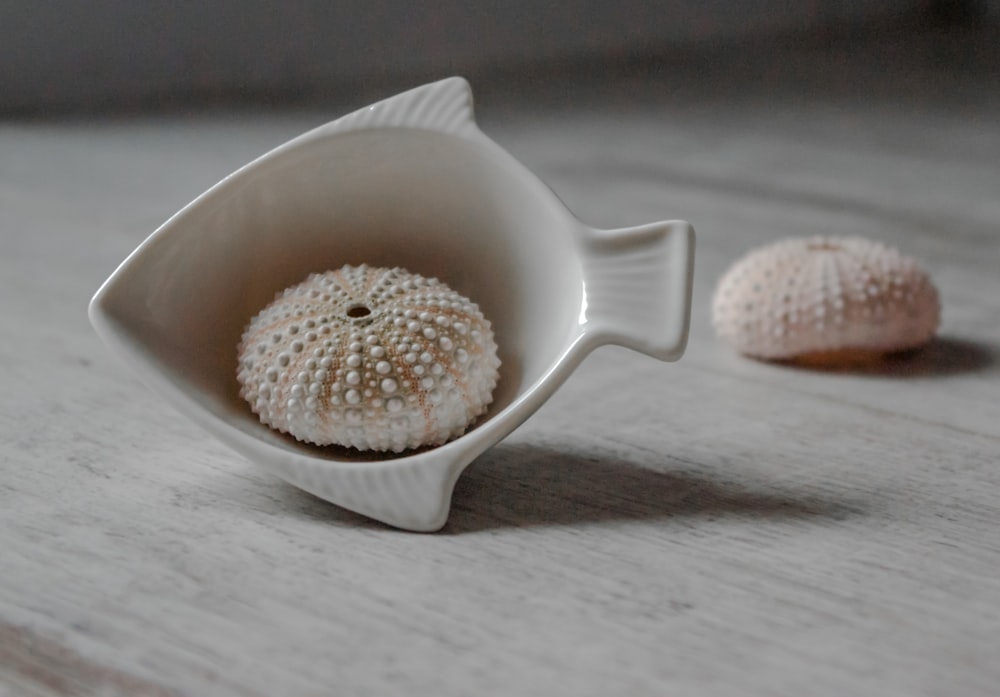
(716, 526)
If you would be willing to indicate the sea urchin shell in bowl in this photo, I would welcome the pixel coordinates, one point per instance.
(409, 182)
(369, 358)
(825, 299)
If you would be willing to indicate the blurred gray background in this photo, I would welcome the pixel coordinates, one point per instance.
(128, 54)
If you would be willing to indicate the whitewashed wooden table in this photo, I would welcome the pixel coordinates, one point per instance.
(712, 527)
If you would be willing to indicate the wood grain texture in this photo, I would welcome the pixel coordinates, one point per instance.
(716, 526)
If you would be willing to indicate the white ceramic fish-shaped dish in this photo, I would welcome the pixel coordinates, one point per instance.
(412, 182)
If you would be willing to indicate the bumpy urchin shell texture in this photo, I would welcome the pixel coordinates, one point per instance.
(819, 295)
(369, 358)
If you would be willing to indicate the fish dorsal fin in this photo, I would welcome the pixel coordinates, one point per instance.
(444, 106)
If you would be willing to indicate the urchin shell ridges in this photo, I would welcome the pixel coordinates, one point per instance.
(369, 358)
(816, 295)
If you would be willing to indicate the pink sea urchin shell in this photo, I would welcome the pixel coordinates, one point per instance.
(370, 358)
(824, 295)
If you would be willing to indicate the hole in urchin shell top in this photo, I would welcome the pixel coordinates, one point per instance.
(358, 311)
(824, 247)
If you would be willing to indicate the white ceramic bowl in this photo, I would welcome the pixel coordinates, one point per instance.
(411, 182)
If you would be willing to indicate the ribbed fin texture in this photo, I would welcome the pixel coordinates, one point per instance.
(444, 106)
(638, 284)
(415, 496)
